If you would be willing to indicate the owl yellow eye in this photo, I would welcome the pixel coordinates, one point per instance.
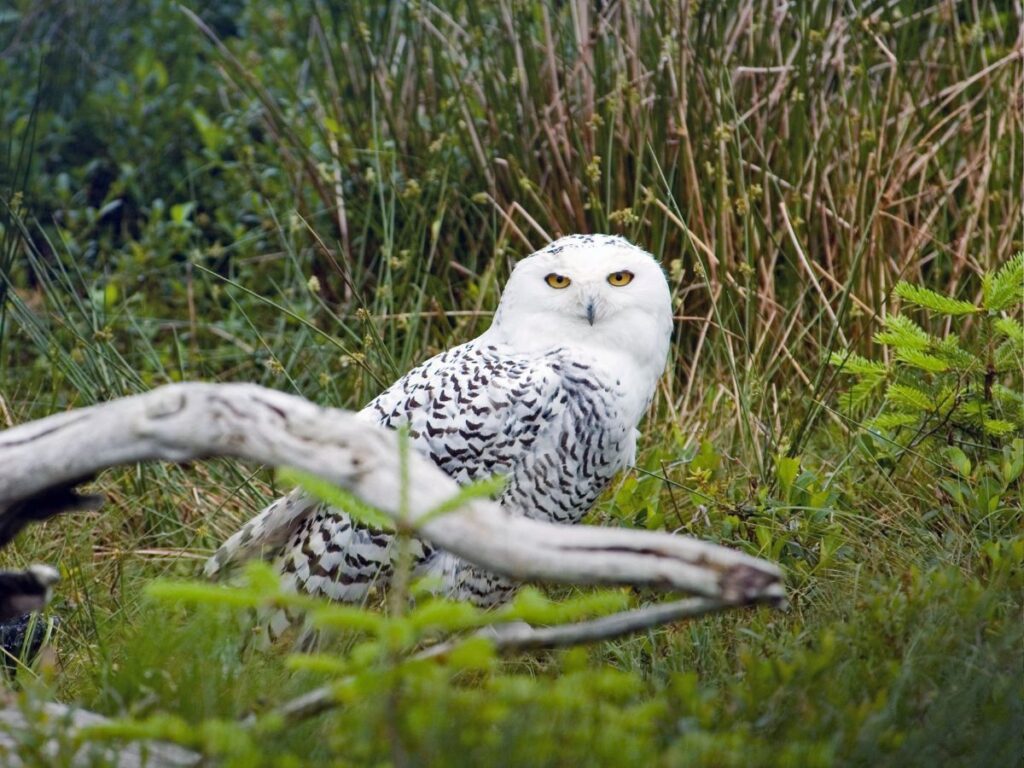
(617, 279)
(557, 281)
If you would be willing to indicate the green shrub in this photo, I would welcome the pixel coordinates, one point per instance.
(953, 401)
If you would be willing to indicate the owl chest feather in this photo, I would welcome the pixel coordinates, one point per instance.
(553, 427)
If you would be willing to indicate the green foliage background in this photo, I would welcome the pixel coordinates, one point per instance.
(316, 196)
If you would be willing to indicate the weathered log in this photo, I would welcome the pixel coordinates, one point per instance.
(57, 731)
(181, 422)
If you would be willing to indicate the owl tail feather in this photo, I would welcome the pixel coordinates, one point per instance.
(264, 534)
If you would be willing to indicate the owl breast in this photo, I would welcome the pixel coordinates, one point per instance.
(553, 427)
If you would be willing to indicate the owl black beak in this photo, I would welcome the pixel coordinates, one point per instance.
(591, 312)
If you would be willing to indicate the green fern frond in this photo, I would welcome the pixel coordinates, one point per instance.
(999, 427)
(894, 420)
(912, 398)
(947, 378)
(1005, 288)
(902, 332)
(855, 364)
(946, 398)
(935, 302)
(955, 356)
(847, 402)
(922, 360)
(1012, 329)
(1009, 357)
(860, 393)
(1008, 396)
(974, 410)
(1009, 404)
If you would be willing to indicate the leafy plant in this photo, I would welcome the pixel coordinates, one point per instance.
(962, 389)
(954, 402)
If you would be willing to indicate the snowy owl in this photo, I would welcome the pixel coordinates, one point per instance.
(549, 396)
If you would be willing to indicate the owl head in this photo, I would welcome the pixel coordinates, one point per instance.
(600, 293)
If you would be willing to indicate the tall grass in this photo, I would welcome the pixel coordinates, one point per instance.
(796, 164)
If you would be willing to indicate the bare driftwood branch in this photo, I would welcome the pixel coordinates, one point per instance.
(42, 461)
(59, 728)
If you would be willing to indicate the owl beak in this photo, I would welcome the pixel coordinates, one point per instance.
(590, 303)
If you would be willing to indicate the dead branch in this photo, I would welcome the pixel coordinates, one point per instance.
(42, 461)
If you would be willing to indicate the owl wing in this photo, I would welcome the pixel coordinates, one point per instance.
(550, 424)
(472, 410)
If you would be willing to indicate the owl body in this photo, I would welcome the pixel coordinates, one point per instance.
(548, 399)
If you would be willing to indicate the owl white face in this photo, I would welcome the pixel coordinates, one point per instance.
(597, 291)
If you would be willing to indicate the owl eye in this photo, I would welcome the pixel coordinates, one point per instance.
(625, 277)
(557, 281)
